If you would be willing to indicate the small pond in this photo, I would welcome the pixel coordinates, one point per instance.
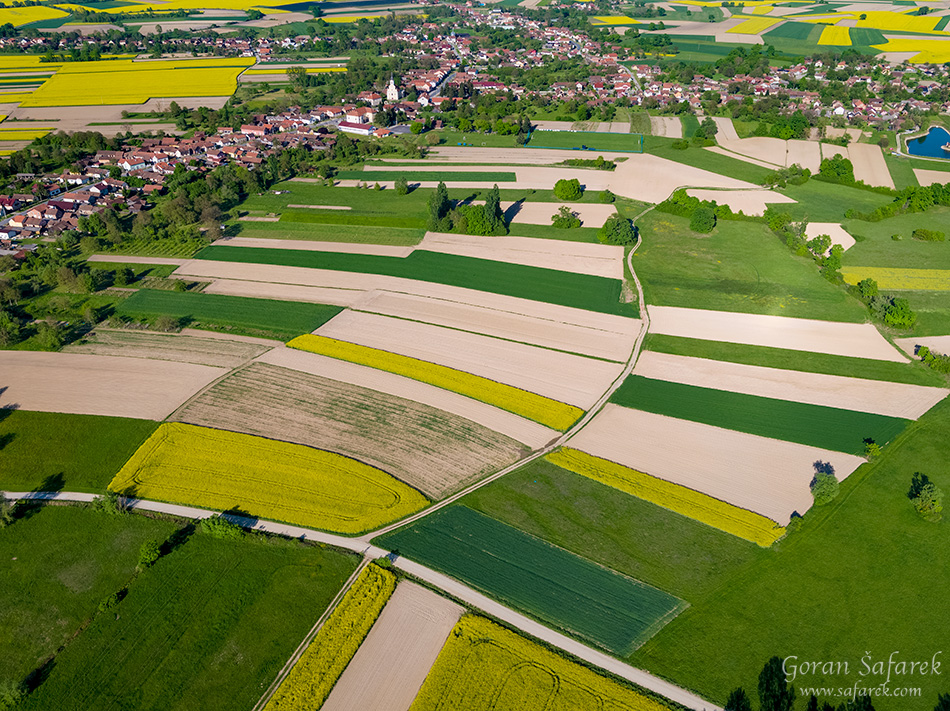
(930, 145)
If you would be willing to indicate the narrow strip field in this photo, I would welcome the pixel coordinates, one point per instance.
(600, 260)
(874, 396)
(894, 279)
(550, 413)
(563, 377)
(557, 287)
(390, 666)
(428, 448)
(99, 385)
(284, 292)
(815, 425)
(309, 683)
(562, 589)
(767, 476)
(485, 666)
(263, 478)
(686, 502)
(167, 346)
(314, 246)
(606, 341)
(845, 339)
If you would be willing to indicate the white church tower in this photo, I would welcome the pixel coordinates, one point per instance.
(392, 91)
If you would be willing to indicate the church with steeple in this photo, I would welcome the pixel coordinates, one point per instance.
(392, 91)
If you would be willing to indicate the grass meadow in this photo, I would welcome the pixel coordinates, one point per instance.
(43, 451)
(879, 249)
(581, 140)
(258, 317)
(818, 201)
(814, 425)
(859, 556)
(560, 588)
(740, 266)
(208, 626)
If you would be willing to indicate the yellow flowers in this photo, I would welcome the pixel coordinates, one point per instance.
(835, 35)
(262, 69)
(268, 479)
(686, 502)
(485, 666)
(613, 20)
(309, 683)
(754, 25)
(897, 279)
(124, 81)
(24, 15)
(548, 412)
(11, 134)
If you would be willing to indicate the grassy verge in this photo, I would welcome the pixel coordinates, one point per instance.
(51, 451)
(356, 234)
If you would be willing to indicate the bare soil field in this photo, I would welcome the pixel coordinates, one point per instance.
(807, 154)
(507, 156)
(738, 156)
(869, 165)
(929, 177)
(99, 384)
(829, 150)
(579, 257)
(426, 448)
(267, 276)
(727, 131)
(837, 233)
(591, 126)
(756, 473)
(666, 126)
(167, 346)
(321, 207)
(311, 246)
(540, 213)
(880, 397)
(284, 292)
(505, 423)
(860, 340)
(388, 669)
(941, 344)
(267, 343)
(571, 379)
(615, 345)
(751, 202)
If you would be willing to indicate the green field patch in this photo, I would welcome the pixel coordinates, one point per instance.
(587, 140)
(699, 157)
(560, 588)
(880, 249)
(208, 626)
(814, 425)
(933, 312)
(52, 451)
(866, 36)
(802, 361)
(901, 170)
(372, 176)
(283, 319)
(817, 201)
(790, 30)
(740, 266)
(321, 232)
(549, 285)
(76, 557)
(342, 218)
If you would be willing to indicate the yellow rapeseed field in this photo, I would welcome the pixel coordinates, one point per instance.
(614, 20)
(310, 70)
(840, 36)
(172, 5)
(124, 81)
(340, 19)
(12, 134)
(552, 413)
(929, 51)
(310, 487)
(686, 502)
(18, 16)
(754, 25)
(897, 279)
(313, 676)
(485, 666)
(762, 9)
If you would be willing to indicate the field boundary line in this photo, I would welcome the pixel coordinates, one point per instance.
(308, 639)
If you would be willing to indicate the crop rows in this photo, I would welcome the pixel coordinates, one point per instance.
(264, 478)
(312, 678)
(484, 666)
(680, 499)
(535, 407)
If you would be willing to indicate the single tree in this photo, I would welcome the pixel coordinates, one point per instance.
(824, 485)
(943, 703)
(402, 187)
(565, 218)
(738, 701)
(703, 220)
(568, 189)
(6, 511)
(775, 694)
(617, 230)
(926, 497)
(150, 552)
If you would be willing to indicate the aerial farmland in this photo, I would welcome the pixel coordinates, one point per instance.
(363, 355)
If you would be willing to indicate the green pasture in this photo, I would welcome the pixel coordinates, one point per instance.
(818, 201)
(587, 140)
(879, 249)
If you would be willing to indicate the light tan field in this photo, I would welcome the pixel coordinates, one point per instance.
(869, 165)
(807, 154)
(738, 156)
(929, 177)
(880, 397)
(941, 344)
(540, 213)
(829, 150)
(268, 274)
(258, 218)
(504, 156)
(764, 475)
(858, 340)
(313, 246)
(727, 131)
(98, 384)
(568, 378)
(579, 257)
(593, 126)
(837, 233)
(267, 343)
(666, 126)
(613, 344)
(517, 428)
(426, 448)
(284, 292)
(321, 207)
(775, 151)
(167, 346)
(388, 669)
(751, 202)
